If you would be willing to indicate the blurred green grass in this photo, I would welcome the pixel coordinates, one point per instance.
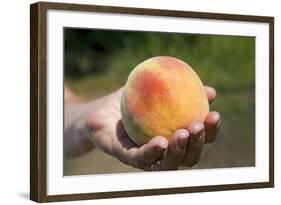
(98, 62)
(225, 62)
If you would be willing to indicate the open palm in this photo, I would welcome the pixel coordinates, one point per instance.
(108, 133)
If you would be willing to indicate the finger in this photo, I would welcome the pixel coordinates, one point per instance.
(196, 140)
(212, 126)
(211, 93)
(176, 151)
(147, 154)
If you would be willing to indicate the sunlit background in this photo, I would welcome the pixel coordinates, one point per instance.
(97, 62)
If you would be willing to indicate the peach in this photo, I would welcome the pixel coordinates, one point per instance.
(162, 94)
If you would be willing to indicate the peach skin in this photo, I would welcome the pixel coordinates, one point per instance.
(162, 94)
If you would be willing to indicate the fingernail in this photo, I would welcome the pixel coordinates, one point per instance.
(182, 141)
(218, 125)
(216, 116)
(162, 145)
(196, 127)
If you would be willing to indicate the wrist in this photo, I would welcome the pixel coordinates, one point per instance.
(76, 133)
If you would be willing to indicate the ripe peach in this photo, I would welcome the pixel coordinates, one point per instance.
(162, 94)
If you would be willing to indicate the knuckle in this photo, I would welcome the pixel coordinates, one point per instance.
(178, 154)
(135, 163)
(140, 164)
(115, 151)
(191, 161)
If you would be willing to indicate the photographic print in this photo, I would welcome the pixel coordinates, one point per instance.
(135, 102)
(164, 97)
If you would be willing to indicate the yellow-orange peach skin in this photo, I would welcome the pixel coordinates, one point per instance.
(162, 94)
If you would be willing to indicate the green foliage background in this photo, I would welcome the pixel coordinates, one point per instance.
(98, 62)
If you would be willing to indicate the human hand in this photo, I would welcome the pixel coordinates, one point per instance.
(186, 145)
(184, 149)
